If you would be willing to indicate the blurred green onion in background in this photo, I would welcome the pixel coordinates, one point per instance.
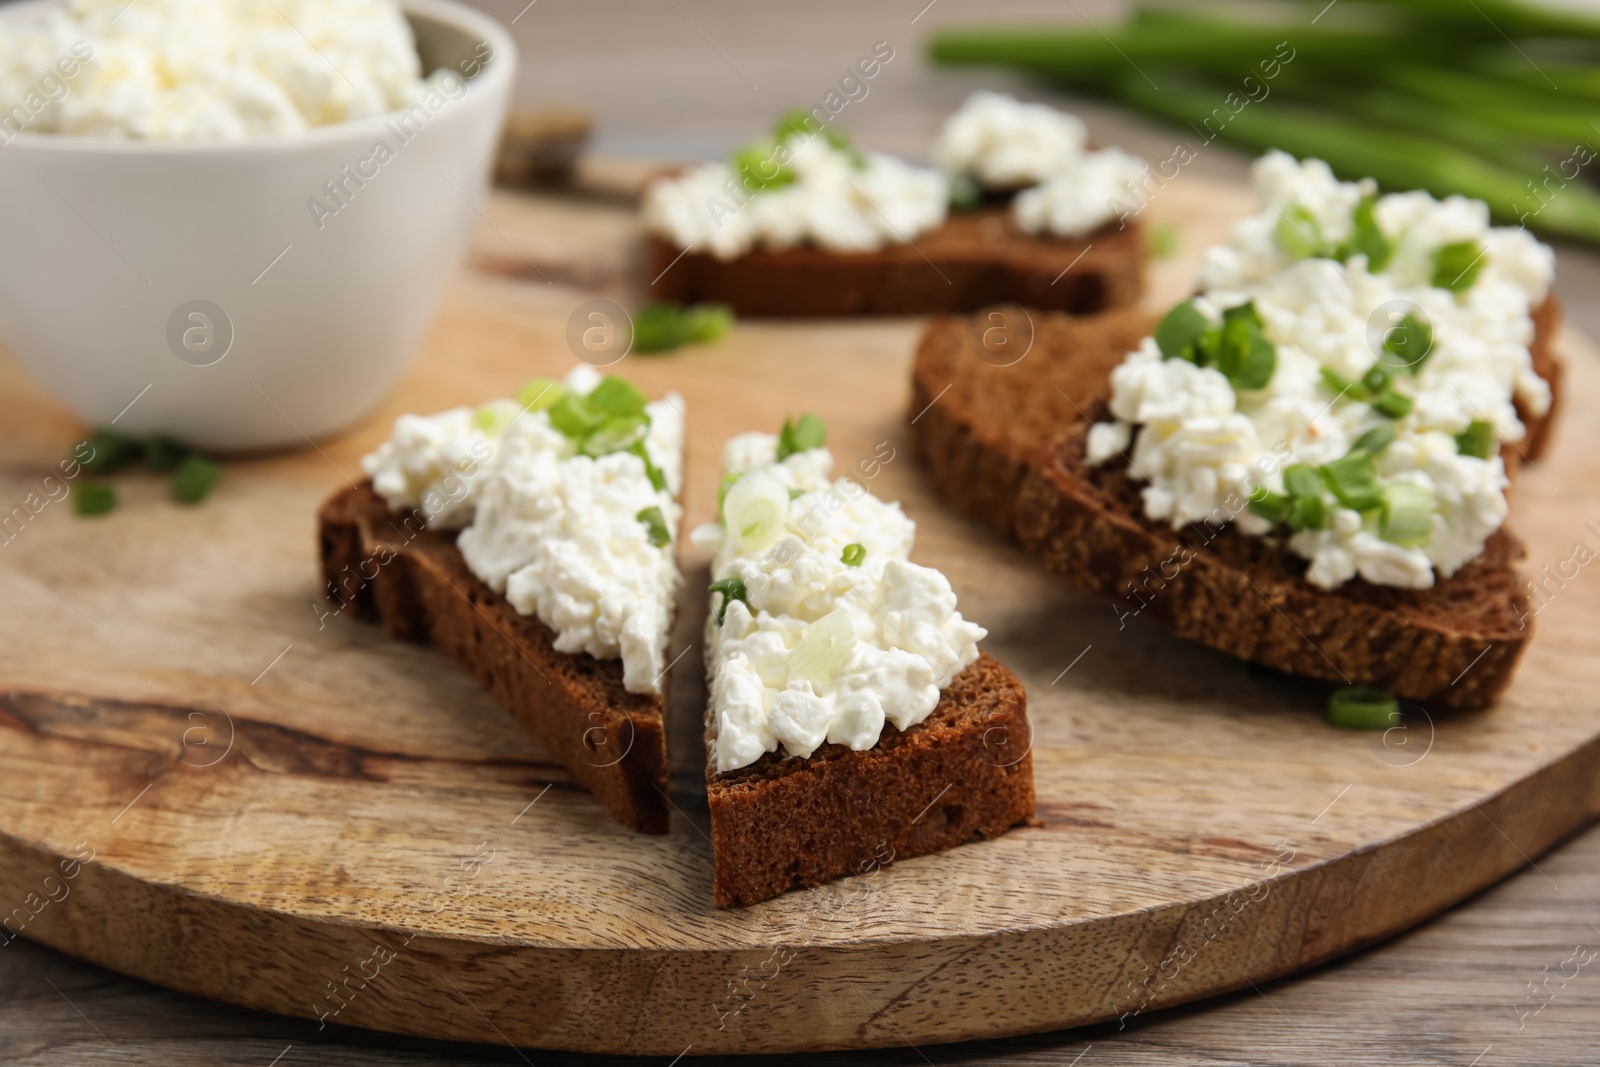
(1493, 99)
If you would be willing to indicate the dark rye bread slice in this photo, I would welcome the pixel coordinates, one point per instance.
(386, 566)
(976, 259)
(964, 772)
(1006, 445)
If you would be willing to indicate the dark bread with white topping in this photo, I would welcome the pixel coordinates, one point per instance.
(1006, 445)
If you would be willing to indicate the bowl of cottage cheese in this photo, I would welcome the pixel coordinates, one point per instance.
(230, 221)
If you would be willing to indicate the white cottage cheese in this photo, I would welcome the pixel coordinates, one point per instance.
(211, 70)
(837, 201)
(1003, 143)
(557, 532)
(1065, 189)
(899, 639)
(1203, 448)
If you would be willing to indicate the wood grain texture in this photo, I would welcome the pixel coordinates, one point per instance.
(279, 802)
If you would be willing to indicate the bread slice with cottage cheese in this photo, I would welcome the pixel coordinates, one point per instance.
(852, 720)
(805, 224)
(534, 541)
(1007, 446)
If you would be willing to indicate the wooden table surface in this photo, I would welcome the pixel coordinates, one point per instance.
(1507, 978)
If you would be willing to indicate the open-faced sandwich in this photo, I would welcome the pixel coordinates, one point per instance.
(852, 719)
(534, 539)
(803, 223)
(1305, 465)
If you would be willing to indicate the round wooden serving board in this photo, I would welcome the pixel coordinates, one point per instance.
(209, 783)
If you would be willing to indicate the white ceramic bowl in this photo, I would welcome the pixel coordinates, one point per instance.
(197, 283)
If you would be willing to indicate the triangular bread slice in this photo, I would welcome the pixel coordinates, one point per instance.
(965, 771)
(1006, 445)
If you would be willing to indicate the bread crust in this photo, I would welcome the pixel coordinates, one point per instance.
(386, 566)
(965, 772)
(1006, 445)
(976, 259)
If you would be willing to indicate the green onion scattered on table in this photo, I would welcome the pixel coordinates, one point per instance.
(1356, 708)
(93, 498)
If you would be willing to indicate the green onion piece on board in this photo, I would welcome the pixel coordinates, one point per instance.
(574, 416)
(1407, 518)
(617, 396)
(539, 394)
(1456, 265)
(93, 498)
(1179, 332)
(1477, 439)
(1353, 480)
(615, 435)
(659, 328)
(705, 323)
(110, 451)
(806, 432)
(731, 589)
(655, 524)
(1358, 708)
(853, 555)
(163, 454)
(196, 476)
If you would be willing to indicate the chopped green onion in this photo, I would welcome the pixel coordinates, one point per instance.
(1301, 479)
(1243, 354)
(964, 193)
(1163, 240)
(539, 394)
(658, 480)
(758, 168)
(728, 481)
(1477, 439)
(1307, 512)
(1377, 379)
(1357, 708)
(801, 435)
(1375, 440)
(1407, 518)
(853, 555)
(194, 480)
(493, 418)
(824, 650)
(1274, 507)
(731, 589)
(755, 510)
(659, 328)
(1456, 265)
(1338, 384)
(1179, 332)
(705, 323)
(655, 524)
(1366, 238)
(163, 454)
(1353, 480)
(1298, 233)
(93, 498)
(615, 435)
(617, 396)
(110, 451)
(1408, 344)
(796, 122)
(574, 416)
(1394, 405)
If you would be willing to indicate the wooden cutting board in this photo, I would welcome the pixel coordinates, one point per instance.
(209, 782)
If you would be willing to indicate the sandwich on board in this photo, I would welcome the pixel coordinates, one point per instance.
(1307, 464)
(803, 223)
(534, 539)
(852, 719)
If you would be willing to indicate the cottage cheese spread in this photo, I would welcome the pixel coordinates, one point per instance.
(837, 201)
(1066, 189)
(1003, 143)
(1203, 447)
(897, 638)
(212, 70)
(557, 532)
